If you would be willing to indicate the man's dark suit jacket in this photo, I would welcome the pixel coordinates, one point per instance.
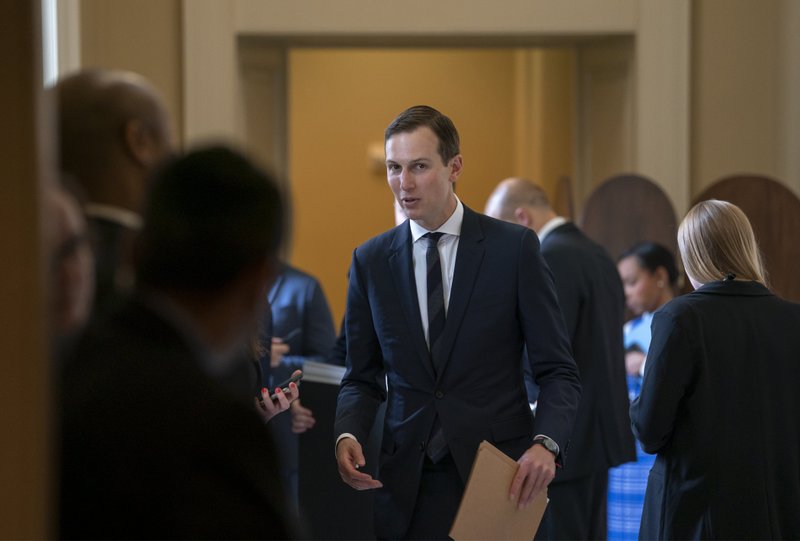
(502, 298)
(720, 406)
(593, 303)
(299, 308)
(154, 447)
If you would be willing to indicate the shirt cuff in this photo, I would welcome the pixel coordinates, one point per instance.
(340, 438)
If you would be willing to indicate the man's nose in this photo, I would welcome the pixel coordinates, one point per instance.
(406, 180)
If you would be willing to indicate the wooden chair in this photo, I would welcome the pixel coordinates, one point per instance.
(627, 209)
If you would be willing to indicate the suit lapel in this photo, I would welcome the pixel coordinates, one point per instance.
(276, 287)
(468, 262)
(402, 266)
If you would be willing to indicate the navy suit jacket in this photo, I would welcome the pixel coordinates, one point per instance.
(502, 299)
(300, 312)
(593, 303)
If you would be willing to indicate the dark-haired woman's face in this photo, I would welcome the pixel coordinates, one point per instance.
(642, 290)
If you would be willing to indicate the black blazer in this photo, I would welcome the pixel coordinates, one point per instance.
(152, 447)
(593, 303)
(719, 404)
(502, 298)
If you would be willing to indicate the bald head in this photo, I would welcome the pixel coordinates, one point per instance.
(113, 130)
(518, 200)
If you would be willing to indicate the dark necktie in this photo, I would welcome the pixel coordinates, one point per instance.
(437, 446)
(435, 290)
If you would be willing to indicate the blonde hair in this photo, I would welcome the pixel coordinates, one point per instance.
(716, 241)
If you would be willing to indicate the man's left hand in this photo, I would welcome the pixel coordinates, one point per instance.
(537, 467)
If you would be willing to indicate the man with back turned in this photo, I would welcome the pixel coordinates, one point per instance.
(154, 445)
(592, 301)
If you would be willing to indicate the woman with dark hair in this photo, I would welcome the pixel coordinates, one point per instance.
(719, 402)
(649, 276)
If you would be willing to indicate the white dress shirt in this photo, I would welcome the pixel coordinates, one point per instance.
(549, 226)
(448, 247)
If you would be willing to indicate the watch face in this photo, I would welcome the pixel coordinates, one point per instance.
(548, 444)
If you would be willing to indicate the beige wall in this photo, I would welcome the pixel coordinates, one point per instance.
(606, 121)
(744, 81)
(745, 77)
(660, 30)
(142, 36)
(341, 100)
(544, 115)
(744, 103)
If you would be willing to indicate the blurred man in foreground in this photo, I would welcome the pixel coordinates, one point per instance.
(154, 445)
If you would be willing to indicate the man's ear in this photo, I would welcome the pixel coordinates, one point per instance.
(523, 218)
(456, 166)
(141, 144)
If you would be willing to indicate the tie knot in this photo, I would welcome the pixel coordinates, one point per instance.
(433, 238)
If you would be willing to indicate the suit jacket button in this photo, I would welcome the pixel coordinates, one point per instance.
(439, 394)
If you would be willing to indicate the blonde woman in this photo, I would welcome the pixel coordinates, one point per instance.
(719, 402)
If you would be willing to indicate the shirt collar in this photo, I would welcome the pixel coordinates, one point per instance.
(117, 215)
(452, 226)
(549, 226)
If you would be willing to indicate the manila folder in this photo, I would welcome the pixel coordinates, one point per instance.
(485, 511)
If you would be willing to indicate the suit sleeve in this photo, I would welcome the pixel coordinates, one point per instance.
(318, 334)
(668, 374)
(338, 353)
(360, 394)
(549, 355)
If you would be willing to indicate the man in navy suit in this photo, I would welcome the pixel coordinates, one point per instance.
(593, 303)
(479, 293)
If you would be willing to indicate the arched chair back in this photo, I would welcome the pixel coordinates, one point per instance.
(627, 209)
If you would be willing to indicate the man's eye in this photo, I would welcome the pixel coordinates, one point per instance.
(392, 167)
(420, 166)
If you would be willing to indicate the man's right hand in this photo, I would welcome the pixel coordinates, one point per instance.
(350, 457)
(302, 418)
